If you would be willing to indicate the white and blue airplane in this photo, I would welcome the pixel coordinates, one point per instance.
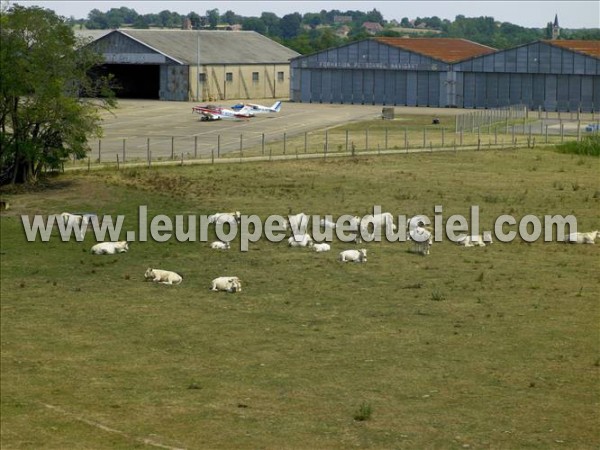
(253, 108)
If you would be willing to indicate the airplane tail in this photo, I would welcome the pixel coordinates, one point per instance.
(276, 106)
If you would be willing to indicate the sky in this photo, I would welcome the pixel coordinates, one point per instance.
(529, 14)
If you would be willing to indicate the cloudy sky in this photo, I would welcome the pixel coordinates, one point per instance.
(532, 14)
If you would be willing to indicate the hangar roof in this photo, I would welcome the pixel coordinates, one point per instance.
(216, 47)
(449, 50)
(590, 48)
(91, 34)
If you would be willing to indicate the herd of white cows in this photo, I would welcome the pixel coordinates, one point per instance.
(420, 236)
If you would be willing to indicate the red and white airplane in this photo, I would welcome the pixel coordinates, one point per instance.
(212, 112)
(253, 108)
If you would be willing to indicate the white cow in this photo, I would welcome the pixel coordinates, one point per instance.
(583, 238)
(302, 240)
(297, 222)
(163, 276)
(385, 220)
(72, 220)
(227, 284)
(218, 245)
(222, 217)
(472, 241)
(327, 224)
(353, 255)
(354, 225)
(110, 248)
(422, 240)
(321, 247)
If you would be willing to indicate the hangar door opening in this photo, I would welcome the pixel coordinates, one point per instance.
(140, 81)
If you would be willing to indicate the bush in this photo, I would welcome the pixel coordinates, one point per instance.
(589, 145)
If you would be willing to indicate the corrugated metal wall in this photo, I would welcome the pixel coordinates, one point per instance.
(536, 75)
(369, 72)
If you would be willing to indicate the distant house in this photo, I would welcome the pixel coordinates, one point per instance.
(372, 27)
(342, 31)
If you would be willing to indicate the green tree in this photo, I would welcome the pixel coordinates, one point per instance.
(290, 25)
(254, 24)
(213, 18)
(271, 22)
(230, 17)
(195, 20)
(43, 72)
(96, 20)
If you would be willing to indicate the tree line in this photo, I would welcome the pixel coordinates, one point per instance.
(312, 32)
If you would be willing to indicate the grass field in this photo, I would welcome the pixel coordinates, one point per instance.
(495, 347)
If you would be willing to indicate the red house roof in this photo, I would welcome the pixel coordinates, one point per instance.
(591, 48)
(449, 50)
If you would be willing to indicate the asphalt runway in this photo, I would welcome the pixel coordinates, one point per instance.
(170, 129)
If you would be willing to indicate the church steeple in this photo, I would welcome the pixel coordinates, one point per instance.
(555, 28)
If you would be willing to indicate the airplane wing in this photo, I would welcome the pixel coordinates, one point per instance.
(207, 113)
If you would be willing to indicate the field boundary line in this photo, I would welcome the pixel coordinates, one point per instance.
(108, 429)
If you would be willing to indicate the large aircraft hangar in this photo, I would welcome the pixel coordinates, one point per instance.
(553, 75)
(184, 65)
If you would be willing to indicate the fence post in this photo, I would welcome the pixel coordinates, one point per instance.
(241, 143)
(326, 141)
(117, 161)
(386, 139)
(284, 142)
(346, 140)
(149, 159)
(172, 148)
(562, 132)
(262, 145)
(148, 150)
(124, 149)
(212, 155)
(182, 159)
(195, 147)
(424, 137)
(443, 133)
(578, 128)
(366, 139)
(99, 151)
(406, 140)
(546, 140)
(89, 164)
(218, 146)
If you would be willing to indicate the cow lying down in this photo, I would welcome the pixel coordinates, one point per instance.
(227, 284)
(163, 276)
(110, 248)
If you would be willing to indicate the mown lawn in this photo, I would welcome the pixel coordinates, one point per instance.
(495, 347)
